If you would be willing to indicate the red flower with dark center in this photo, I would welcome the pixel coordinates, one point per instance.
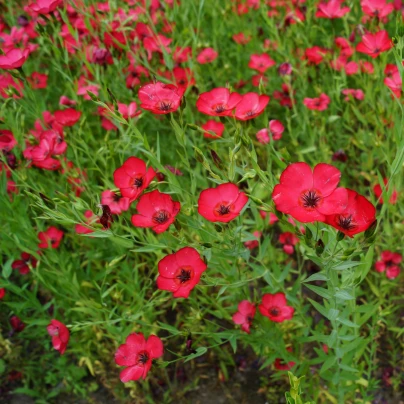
(221, 204)
(180, 272)
(358, 216)
(374, 44)
(13, 59)
(50, 238)
(245, 315)
(309, 196)
(218, 102)
(22, 265)
(7, 140)
(274, 307)
(377, 189)
(116, 203)
(261, 63)
(137, 355)
(315, 54)
(250, 106)
(389, 262)
(60, 335)
(67, 117)
(133, 177)
(289, 240)
(45, 6)
(160, 98)
(332, 9)
(216, 127)
(377, 8)
(207, 55)
(318, 104)
(156, 210)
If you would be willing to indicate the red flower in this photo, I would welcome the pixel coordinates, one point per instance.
(67, 117)
(17, 324)
(50, 238)
(272, 217)
(250, 106)
(7, 140)
(389, 262)
(289, 240)
(377, 8)
(274, 307)
(160, 98)
(208, 55)
(281, 365)
(308, 196)
(132, 178)
(91, 218)
(45, 6)
(351, 92)
(137, 355)
(2, 293)
(374, 44)
(261, 62)
(22, 265)
(60, 335)
(251, 244)
(275, 129)
(13, 59)
(315, 54)
(241, 38)
(331, 10)
(218, 102)
(221, 204)
(180, 272)
(216, 127)
(377, 189)
(318, 104)
(38, 80)
(156, 210)
(116, 203)
(244, 315)
(356, 218)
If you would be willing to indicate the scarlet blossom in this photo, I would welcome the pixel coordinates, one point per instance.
(244, 315)
(156, 210)
(137, 355)
(275, 130)
(393, 81)
(377, 189)
(377, 8)
(45, 6)
(60, 335)
(331, 9)
(9, 84)
(275, 308)
(91, 218)
(250, 106)
(160, 98)
(389, 262)
(133, 177)
(353, 93)
(279, 364)
(156, 44)
(183, 77)
(38, 80)
(63, 100)
(216, 127)
(251, 244)
(358, 216)
(261, 63)
(346, 49)
(318, 104)
(116, 203)
(181, 55)
(221, 204)
(218, 102)
(289, 240)
(2, 293)
(351, 68)
(374, 44)
(284, 96)
(208, 55)
(67, 117)
(259, 80)
(50, 238)
(241, 38)
(22, 265)
(315, 54)
(366, 67)
(309, 196)
(180, 272)
(13, 59)
(272, 217)
(17, 324)
(285, 69)
(7, 140)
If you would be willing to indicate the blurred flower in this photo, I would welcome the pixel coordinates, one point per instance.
(60, 335)
(50, 238)
(116, 203)
(318, 104)
(331, 9)
(213, 126)
(389, 262)
(378, 191)
(289, 240)
(275, 308)
(374, 44)
(207, 55)
(22, 265)
(261, 63)
(245, 315)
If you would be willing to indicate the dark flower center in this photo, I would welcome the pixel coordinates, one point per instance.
(389, 263)
(160, 217)
(345, 223)
(377, 50)
(223, 210)
(250, 113)
(164, 106)
(219, 108)
(143, 357)
(116, 198)
(310, 199)
(274, 311)
(138, 182)
(184, 276)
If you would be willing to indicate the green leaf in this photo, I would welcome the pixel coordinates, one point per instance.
(316, 277)
(321, 309)
(344, 295)
(347, 323)
(7, 269)
(199, 352)
(320, 291)
(328, 364)
(345, 265)
(169, 328)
